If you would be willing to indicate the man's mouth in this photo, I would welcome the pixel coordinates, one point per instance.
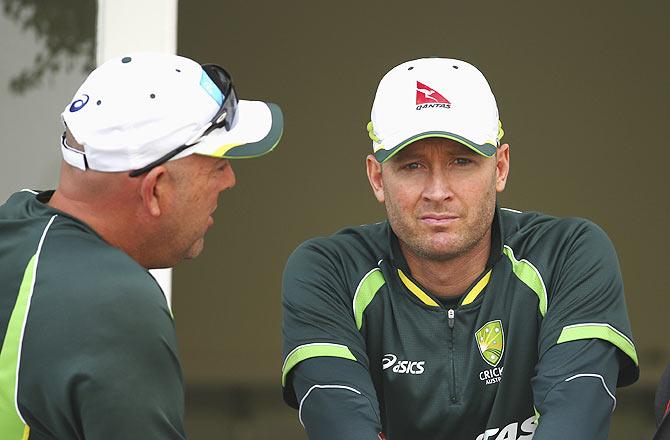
(438, 219)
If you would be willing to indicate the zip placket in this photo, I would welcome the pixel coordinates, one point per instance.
(451, 314)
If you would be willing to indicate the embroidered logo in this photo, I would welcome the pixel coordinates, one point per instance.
(491, 342)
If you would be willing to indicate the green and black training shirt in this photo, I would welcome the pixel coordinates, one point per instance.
(88, 343)
(536, 346)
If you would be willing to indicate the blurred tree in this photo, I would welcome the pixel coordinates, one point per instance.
(67, 28)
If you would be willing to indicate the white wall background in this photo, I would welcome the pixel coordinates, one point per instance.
(30, 124)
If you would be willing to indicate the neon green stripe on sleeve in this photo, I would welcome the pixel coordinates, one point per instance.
(365, 292)
(530, 276)
(307, 351)
(603, 331)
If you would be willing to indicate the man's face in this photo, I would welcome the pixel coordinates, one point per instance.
(439, 195)
(198, 182)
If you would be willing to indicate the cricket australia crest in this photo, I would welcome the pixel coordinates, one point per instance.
(491, 342)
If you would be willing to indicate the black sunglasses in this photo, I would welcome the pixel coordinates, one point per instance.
(225, 117)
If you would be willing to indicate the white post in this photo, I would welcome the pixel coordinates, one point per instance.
(126, 26)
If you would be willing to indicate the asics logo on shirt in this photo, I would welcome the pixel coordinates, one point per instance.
(403, 366)
(514, 431)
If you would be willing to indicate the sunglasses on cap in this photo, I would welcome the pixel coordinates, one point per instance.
(224, 117)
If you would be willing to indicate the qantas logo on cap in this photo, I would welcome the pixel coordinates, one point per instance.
(427, 97)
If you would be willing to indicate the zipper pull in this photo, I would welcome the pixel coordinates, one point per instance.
(451, 314)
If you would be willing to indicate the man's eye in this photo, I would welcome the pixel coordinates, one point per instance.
(412, 166)
(462, 161)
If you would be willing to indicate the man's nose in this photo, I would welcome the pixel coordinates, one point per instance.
(438, 186)
(228, 178)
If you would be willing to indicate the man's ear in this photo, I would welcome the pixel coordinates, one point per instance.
(502, 167)
(153, 191)
(374, 170)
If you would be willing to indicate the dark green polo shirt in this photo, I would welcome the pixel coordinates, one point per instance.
(463, 372)
(88, 342)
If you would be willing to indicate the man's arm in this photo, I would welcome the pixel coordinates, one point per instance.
(574, 390)
(662, 397)
(135, 389)
(585, 345)
(336, 400)
(325, 372)
(104, 364)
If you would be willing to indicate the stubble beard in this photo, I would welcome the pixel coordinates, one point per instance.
(181, 244)
(195, 249)
(420, 242)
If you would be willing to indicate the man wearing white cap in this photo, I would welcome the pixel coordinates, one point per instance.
(88, 343)
(455, 319)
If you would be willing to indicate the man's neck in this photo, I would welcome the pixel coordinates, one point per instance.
(108, 217)
(449, 278)
(97, 216)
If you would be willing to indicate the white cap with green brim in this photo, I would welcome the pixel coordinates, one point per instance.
(434, 97)
(135, 111)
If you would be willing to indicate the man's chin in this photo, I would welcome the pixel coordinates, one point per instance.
(446, 245)
(441, 254)
(432, 250)
(195, 250)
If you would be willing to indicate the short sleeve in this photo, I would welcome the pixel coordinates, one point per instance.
(318, 317)
(586, 299)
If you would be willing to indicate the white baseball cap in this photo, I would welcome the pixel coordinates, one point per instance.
(140, 110)
(434, 97)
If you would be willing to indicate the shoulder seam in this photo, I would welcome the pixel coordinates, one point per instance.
(517, 270)
(365, 292)
(22, 323)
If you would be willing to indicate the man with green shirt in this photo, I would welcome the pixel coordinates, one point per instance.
(455, 319)
(89, 349)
